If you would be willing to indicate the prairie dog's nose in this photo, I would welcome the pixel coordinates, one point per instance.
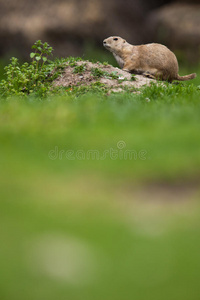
(104, 42)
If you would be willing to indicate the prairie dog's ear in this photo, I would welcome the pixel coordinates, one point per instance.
(124, 41)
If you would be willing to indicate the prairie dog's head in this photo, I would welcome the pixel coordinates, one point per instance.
(114, 43)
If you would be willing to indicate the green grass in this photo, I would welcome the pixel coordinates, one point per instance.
(79, 217)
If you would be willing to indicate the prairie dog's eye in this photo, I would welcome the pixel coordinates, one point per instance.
(115, 39)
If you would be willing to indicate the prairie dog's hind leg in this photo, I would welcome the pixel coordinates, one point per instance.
(154, 74)
(149, 75)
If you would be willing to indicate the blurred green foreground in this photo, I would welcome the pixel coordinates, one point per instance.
(99, 196)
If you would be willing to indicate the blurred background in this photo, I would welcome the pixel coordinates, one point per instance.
(76, 27)
(92, 229)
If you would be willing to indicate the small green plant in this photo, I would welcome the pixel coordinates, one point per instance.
(72, 61)
(96, 72)
(79, 69)
(30, 77)
(114, 75)
(133, 77)
(42, 51)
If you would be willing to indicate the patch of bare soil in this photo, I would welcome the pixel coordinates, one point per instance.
(85, 73)
(163, 192)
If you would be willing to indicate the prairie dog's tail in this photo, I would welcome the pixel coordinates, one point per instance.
(186, 77)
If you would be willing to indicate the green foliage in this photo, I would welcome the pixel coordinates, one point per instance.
(72, 61)
(133, 77)
(107, 228)
(79, 69)
(112, 219)
(97, 72)
(114, 75)
(42, 51)
(170, 92)
(29, 78)
(35, 78)
(96, 88)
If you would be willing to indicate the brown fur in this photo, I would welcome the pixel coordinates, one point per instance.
(152, 60)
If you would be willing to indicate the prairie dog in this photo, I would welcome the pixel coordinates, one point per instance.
(151, 60)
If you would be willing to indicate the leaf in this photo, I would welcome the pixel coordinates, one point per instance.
(38, 43)
(44, 58)
(32, 55)
(38, 58)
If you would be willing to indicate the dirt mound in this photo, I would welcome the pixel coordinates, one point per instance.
(87, 73)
